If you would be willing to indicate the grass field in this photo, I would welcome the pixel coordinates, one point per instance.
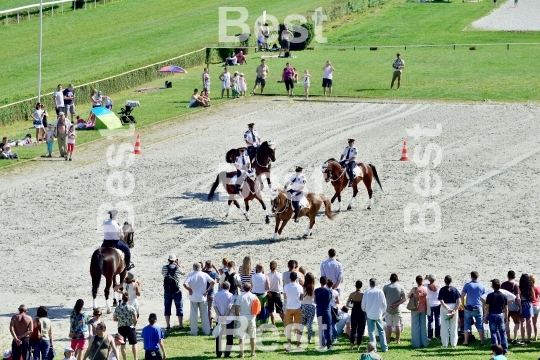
(11, 4)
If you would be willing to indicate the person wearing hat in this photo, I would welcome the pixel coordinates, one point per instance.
(49, 139)
(69, 354)
(171, 285)
(113, 235)
(61, 129)
(133, 288)
(297, 182)
(252, 140)
(20, 327)
(243, 165)
(348, 160)
(398, 66)
(152, 336)
(242, 85)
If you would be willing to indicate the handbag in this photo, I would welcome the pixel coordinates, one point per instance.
(52, 353)
(412, 305)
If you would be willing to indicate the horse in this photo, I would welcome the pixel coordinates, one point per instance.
(108, 263)
(282, 207)
(264, 157)
(335, 174)
(249, 192)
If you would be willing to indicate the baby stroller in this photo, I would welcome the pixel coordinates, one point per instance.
(125, 113)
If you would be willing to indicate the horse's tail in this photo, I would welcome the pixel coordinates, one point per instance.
(376, 175)
(327, 207)
(213, 189)
(96, 270)
(230, 155)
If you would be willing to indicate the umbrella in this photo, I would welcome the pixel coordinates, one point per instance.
(172, 69)
(508, 294)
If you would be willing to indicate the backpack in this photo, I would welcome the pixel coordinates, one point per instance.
(170, 285)
(256, 306)
(231, 279)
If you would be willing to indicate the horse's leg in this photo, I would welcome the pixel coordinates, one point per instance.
(355, 192)
(228, 207)
(115, 293)
(240, 209)
(278, 220)
(266, 218)
(95, 284)
(339, 200)
(285, 221)
(246, 204)
(367, 183)
(108, 283)
(311, 216)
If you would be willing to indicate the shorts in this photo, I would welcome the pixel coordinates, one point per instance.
(261, 81)
(275, 302)
(152, 355)
(393, 320)
(306, 85)
(536, 309)
(327, 83)
(250, 329)
(210, 302)
(293, 316)
(477, 315)
(70, 147)
(526, 310)
(79, 344)
(289, 84)
(70, 108)
(397, 75)
(129, 334)
(58, 109)
(260, 40)
(177, 297)
(285, 44)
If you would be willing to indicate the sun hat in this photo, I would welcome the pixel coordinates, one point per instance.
(130, 276)
(119, 338)
(68, 349)
(7, 354)
(172, 257)
(241, 74)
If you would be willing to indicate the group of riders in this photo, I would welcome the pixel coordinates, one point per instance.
(297, 181)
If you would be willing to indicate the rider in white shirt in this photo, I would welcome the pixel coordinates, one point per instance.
(297, 182)
(113, 235)
(252, 139)
(348, 160)
(242, 165)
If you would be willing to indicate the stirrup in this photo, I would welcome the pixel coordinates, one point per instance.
(130, 266)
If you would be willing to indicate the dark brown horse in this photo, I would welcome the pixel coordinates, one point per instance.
(249, 191)
(109, 263)
(264, 157)
(282, 207)
(335, 174)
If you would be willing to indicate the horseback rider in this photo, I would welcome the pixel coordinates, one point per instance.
(297, 182)
(253, 140)
(113, 235)
(348, 160)
(242, 165)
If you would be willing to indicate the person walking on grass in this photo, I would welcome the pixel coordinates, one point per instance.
(398, 66)
(61, 129)
(126, 316)
(307, 78)
(328, 70)
(100, 345)
(225, 78)
(49, 139)
(152, 336)
(262, 72)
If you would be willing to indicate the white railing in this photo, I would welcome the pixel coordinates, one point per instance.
(27, 8)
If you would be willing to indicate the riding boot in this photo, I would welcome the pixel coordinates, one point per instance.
(236, 189)
(296, 213)
(130, 266)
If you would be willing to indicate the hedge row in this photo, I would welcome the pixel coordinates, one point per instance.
(22, 110)
(342, 8)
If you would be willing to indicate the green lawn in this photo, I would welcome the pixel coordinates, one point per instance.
(11, 4)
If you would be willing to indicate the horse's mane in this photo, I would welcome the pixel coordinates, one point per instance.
(265, 145)
(228, 156)
(331, 159)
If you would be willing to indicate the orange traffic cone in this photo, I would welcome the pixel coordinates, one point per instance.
(137, 150)
(404, 153)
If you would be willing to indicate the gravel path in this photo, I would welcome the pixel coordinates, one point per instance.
(525, 17)
(490, 173)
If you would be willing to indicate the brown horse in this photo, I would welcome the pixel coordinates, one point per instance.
(249, 192)
(108, 263)
(264, 157)
(282, 207)
(334, 173)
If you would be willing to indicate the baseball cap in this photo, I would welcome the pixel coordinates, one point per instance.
(172, 257)
(68, 349)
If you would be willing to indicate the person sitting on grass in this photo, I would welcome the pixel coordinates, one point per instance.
(7, 154)
(371, 352)
(497, 352)
(241, 58)
(232, 60)
(204, 97)
(197, 100)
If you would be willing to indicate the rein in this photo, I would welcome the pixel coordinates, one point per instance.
(284, 207)
(258, 163)
(339, 177)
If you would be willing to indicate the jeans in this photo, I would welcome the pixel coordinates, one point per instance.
(498, 330)
(418, 329)
(435, 315)
(21, 350)
(371, 324)
(477, 314)
(120, 245)
(325, 322)
(196, 308)
(41, 347)
(177, 297)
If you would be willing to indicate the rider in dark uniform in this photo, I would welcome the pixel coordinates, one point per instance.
(348, 160)
(113, 235)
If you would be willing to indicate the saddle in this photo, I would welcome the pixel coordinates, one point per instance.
(356, 172)
(119, 252)
(304, 203)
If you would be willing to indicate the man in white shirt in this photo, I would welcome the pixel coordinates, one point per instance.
(333, 270)
(374, 305)
(293, 314)
(328, 69)
(252, 139)
(198, 284)
(244, 302)
(113, 235)
(275, 280)
(58, 98)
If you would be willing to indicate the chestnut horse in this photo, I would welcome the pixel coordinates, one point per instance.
(282, 207)
(249, 192)
(265, 155)
(107, 262)
(334, 173)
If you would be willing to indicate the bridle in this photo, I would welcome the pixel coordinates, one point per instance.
(276, 205)
(329, 172)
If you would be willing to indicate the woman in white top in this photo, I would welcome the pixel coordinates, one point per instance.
(435, 307)
(37, 116)
(275, 283)
(308, 304)
(259, 281)
(225, 78)
(42, 346)
(307, 77)
(133, 288)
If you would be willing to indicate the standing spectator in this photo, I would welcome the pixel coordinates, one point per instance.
(308, 304)
(37, 116)
(536, 307)
(49, 139)
(78, 329)
(395, 296)
(514, 308)
(58, 98)
(450, 300)
(225, 78)
(262, 72)
(307, 80)
(153, 340)
(294, 295)
(206, 81)
(260, 36)
(246, 270)
(198, 284)
(286, 37)
(69, 101)
(46, 341)
(371, 352)
(334, 310)
(328, 69)
(235, 85)
(45, 116)
(374, 305)
(133, 288)
(275, 288)
(234, 280)
(333, 270)
(94, 321)
(260, 285)
(323, 296)
(20, 327)
(434, 315)
(398, 66)
(526, 288)
(242, 85)
(126, 316)
(358, 317)
(288, 79)
(171, 285)
(72, 135)
(496, 309)
(101, 344)
(418, 316)
(212, 271)
(473, 307)
(61, 129)
(223, 303)
(244, 303)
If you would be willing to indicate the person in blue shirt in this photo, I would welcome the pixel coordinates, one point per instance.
(473, 290)
(153, 340)
(323, 296)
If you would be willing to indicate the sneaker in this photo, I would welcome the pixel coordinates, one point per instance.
(69, 159)
(517, 342)
(296, 220)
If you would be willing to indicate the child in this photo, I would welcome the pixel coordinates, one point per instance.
(306, 83)
(242, 86)
(118, 341)
(71, 141)
(68, 354)
(235, 85)
(49, 139)
(225, 78)
(81, 124)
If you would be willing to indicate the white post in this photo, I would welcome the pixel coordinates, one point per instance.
(40, 47)
(264, 16)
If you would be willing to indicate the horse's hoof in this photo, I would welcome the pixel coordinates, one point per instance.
(305, 236)
(226, 215)
(247, 219)
(267, 220)
(108, 311)
(349, 207)
(369, 208)
(115, 303)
